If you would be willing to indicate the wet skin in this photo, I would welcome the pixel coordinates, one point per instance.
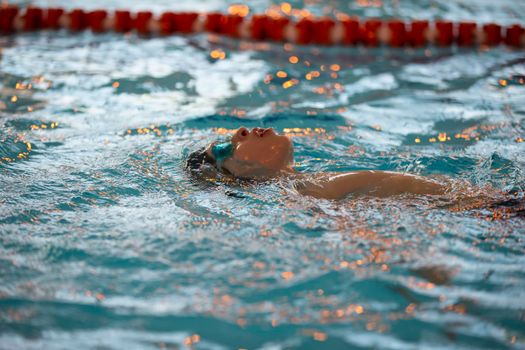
(262, 153)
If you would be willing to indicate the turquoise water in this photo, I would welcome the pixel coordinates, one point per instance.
(107, 243)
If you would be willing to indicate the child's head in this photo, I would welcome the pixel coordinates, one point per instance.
(259, 153)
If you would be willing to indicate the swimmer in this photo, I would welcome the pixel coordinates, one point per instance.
(263, 154)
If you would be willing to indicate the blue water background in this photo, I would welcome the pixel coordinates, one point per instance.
(107, 243)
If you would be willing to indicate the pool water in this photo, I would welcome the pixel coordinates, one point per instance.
(107, 243)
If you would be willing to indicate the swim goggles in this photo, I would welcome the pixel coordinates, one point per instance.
(221, 151)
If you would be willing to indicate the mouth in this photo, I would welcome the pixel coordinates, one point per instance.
(261, 132)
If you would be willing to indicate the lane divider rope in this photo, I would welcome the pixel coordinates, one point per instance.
(343, 30)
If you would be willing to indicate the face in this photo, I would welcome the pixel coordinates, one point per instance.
(259, 153)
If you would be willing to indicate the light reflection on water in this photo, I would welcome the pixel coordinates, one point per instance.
(106, 241)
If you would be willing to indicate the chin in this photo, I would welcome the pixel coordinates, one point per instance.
(284, 147)
(289, 152)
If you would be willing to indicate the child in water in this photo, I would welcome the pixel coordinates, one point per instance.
(264, 154)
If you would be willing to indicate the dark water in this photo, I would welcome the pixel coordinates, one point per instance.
(107, 243)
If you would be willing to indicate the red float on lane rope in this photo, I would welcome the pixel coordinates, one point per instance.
(96, 19)
(466, 33)
(514, 35)
(304, 31)
(351, 31)
(123, 22)
(322, 31)
(7, 18)
(258, 27)
(184, 21)
(444, 33)
(52, 18)
(142, 22)
(275, 28)
(213, 22)
(369, 32)
(167, 23)
(33, 19)
(417, 35)
(229, 25)
(77, 20)
(397, 33)
(492, 35)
